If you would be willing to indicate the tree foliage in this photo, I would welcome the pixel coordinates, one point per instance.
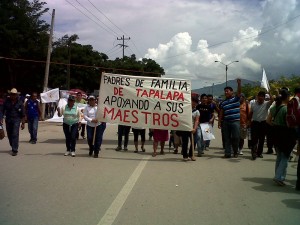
(289, 82)
(23, 35)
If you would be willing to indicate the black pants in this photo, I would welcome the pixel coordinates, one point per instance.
(137, 132)
(123, 130)
(258, 134)
(298, 175)
(185, 136)
(270, 142)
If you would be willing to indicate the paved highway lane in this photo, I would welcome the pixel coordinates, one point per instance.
(41, 186)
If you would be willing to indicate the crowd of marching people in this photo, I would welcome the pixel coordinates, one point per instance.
(271, 117)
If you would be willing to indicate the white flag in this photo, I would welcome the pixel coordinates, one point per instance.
(264, 81)
(50, 96)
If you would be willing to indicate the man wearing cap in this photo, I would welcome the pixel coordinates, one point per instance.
(33, 113)
(93, 125)
(258, 116)
(13, 110)
(71, 122)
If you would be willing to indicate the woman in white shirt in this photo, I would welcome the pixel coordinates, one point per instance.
(89, 114)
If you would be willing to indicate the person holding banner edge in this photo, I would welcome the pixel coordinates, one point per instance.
(123, 130)
(93, 125)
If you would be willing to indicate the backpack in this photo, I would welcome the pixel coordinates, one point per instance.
(293, 113)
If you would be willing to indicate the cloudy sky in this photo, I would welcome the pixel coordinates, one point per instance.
(186, 37)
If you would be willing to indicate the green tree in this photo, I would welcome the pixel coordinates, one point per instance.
(23, 35)
(84, 74)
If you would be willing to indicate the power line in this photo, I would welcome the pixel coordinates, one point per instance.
(76, 65)
(115, 25)
(96, 17)
(107, 18)
(88, 17)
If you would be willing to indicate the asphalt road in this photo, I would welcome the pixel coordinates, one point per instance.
(41, 186)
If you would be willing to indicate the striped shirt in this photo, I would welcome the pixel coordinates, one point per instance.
(231, 109)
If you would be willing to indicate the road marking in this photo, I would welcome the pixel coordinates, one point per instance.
(115, 207)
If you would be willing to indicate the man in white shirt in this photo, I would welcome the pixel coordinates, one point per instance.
(258, 116)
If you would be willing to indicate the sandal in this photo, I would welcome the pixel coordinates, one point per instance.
(153, 154)
(193, 158)
(143, 150)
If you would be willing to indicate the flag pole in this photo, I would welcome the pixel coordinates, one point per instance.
(193, 145)
(95, 128)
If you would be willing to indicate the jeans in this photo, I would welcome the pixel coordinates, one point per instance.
(231, 133)
(33, 128)
(12, 129)
(198, 140)
(258, 134)
(185, 136)
(281, 165)
(123, 130)
(70, 134)
(98, 137)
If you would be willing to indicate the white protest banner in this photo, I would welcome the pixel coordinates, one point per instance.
(50, 96)
(207, 131)
(152, 102)
(264, 81)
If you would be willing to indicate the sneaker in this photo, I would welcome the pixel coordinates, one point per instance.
(73, 154)
(96, 156)
(143, 150)
(67, 153)
(185, 159)
(125, 148)
(136, 151)
(206, 148)
(33, 142)
(118, 148)
(14, 153)
(241, 153)
(162, 152)
(260, 156)
(279, 182)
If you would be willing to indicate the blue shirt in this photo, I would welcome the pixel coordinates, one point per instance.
(32, 107)
(231, 109)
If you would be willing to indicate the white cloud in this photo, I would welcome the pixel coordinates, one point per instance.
(183, 35)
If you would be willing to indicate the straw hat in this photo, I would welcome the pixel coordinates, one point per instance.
(13, 91)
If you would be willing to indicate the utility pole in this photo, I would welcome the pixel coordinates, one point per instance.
(123, 45)
(48, 61)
